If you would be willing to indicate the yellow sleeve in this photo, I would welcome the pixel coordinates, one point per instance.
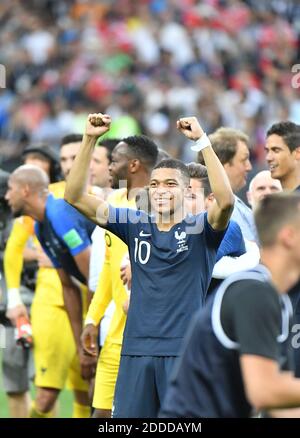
(57, 189)
(22, 229)
(103, 294)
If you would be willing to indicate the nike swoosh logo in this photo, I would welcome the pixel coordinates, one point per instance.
(142, 234)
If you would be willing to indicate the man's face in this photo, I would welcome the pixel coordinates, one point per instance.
(237, 170)
(166, 191)
(43, 164)
(15, 197)
(195, 200)
(280, 159)
(119, 165)
(99, 173)
(68, 153)
(263, 184)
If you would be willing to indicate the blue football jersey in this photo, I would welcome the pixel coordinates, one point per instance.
(171, 272)
(63, 234)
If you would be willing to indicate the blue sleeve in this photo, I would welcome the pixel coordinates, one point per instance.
(71, 227)
(53, 259)
(233, 242)
(122, 222)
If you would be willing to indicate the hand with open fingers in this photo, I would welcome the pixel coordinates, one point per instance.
(97, 124)
(190, 127)
(89, 340)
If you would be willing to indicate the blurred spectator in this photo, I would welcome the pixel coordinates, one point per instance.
(226, 61)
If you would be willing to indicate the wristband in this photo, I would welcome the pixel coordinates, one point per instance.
(13, 298)
(88, 321)
(202, 143)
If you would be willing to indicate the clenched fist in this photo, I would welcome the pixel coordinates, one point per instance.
(97, 124)
(190, 127)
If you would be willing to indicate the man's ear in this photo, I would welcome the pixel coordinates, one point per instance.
(26, 190)
(287, 236)
(211, 196)
(208, 200)
(134, 165)
(297, 153)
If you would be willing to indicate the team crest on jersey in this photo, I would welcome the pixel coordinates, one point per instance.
(181, 241)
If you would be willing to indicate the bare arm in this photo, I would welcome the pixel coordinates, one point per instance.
(73, 305)
(220, 211)
(266, 386)
(76, 188)
(72, 293)
(30, 254)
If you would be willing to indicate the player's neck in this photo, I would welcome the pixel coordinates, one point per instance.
(166, 223)
(284, 271)
(136, 184)
(36, 209)
(291, 181)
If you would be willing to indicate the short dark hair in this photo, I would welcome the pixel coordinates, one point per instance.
(109, 144)
(71, 138)
(142, 148)
(274, 212)
(198, 171)
(289, 131)
(172, 163)
(44, 152)
(224, 142)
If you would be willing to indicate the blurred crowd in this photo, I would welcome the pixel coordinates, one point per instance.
(147, 62)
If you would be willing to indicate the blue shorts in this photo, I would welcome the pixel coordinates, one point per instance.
(141, 386)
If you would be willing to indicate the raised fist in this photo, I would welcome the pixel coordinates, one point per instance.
(190, 127)
(97, 124)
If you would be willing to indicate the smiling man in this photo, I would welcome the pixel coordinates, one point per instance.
(283, 154)
(166, 253)
(132, 161)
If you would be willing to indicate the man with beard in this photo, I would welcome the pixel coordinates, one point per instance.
(65, 237)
